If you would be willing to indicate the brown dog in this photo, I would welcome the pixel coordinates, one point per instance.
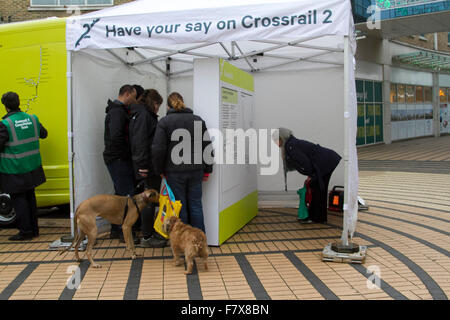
(112, 208)
(187, 239)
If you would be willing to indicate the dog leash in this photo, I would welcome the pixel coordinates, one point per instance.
(126, 207)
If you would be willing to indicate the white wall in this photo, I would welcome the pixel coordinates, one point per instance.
(310, 103)
(444, 80)
(89, 104)
(406, 76)
(368, 71)
(184, 86)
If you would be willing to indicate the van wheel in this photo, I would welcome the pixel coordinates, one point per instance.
(7, 214)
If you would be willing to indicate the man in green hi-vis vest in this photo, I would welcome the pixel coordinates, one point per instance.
(20, 164)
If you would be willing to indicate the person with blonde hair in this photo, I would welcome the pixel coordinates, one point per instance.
(184, 171)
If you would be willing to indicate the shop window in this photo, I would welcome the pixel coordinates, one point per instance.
(401, 93)
(393, 93)
(410, 94)
(419, 94)
(428, 96)
(370, 111)
(443, 95)
(368, 91)
(60, 3)
(377, 92)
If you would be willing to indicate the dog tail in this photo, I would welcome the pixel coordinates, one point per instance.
(199, 242)
(75, 239)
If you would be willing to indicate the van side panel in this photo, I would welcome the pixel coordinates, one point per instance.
(33, 57)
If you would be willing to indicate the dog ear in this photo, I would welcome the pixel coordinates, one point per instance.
(151, 195)
(172, 221)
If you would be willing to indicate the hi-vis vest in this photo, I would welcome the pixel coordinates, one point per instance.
(21, 153)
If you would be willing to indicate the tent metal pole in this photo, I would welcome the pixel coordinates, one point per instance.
(307, 46)
(182, 71)
(182, 61)
(116, 56)
(246, 59)
(291, 58)
(278, 46)
(168, 75)
(181, 51)
(226, 50)
(70, 141)
(151, 63)
(346, 133)
(309, 59)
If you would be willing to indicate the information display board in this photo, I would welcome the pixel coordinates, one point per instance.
(224, 98)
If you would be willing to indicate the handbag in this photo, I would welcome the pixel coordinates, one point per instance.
(305, 194)
(168, 207)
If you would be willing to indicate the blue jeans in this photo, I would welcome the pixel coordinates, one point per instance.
(122, 175)
(187, 187)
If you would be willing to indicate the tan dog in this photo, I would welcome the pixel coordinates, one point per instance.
(187, 239)
(112, 208)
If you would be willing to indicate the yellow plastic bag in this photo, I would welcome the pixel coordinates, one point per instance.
(168, 207)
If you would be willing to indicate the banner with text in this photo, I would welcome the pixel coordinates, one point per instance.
(141, 27)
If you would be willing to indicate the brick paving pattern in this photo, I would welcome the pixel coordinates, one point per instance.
(406, 229)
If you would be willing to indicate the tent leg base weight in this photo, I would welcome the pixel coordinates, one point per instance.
(352, 253)
(65, 242)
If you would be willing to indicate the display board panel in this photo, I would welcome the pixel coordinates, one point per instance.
(224, 98)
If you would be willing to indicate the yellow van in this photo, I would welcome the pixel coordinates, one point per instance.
(33, 64)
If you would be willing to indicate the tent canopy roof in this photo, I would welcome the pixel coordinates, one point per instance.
(255, 34)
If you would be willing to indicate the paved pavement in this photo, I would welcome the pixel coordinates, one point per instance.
(406, 229)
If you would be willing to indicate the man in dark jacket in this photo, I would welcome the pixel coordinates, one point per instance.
(117, 154)
(185, 171)
(144, 120)
(310, 160)
(20, 164)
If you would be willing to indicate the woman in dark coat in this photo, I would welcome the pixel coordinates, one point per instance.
(185, 174)
(311, 160)
(143, 122)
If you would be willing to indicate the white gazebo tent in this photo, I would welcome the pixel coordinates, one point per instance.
(154, 42)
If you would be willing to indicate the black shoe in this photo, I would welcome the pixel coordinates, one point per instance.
(21, 237)
(305, 221)
(155, 241)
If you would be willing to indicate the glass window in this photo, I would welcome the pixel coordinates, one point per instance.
(44, 2)
(360, 90)
(419, 94)
(368, 91)
(378, 92)
(70, 2)
(443, 95)
(410, 94)
(93, 2)
(393, 93)
(428, 94)
(401, 93)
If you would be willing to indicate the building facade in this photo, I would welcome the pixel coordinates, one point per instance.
(410, 68)
(22, 10)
